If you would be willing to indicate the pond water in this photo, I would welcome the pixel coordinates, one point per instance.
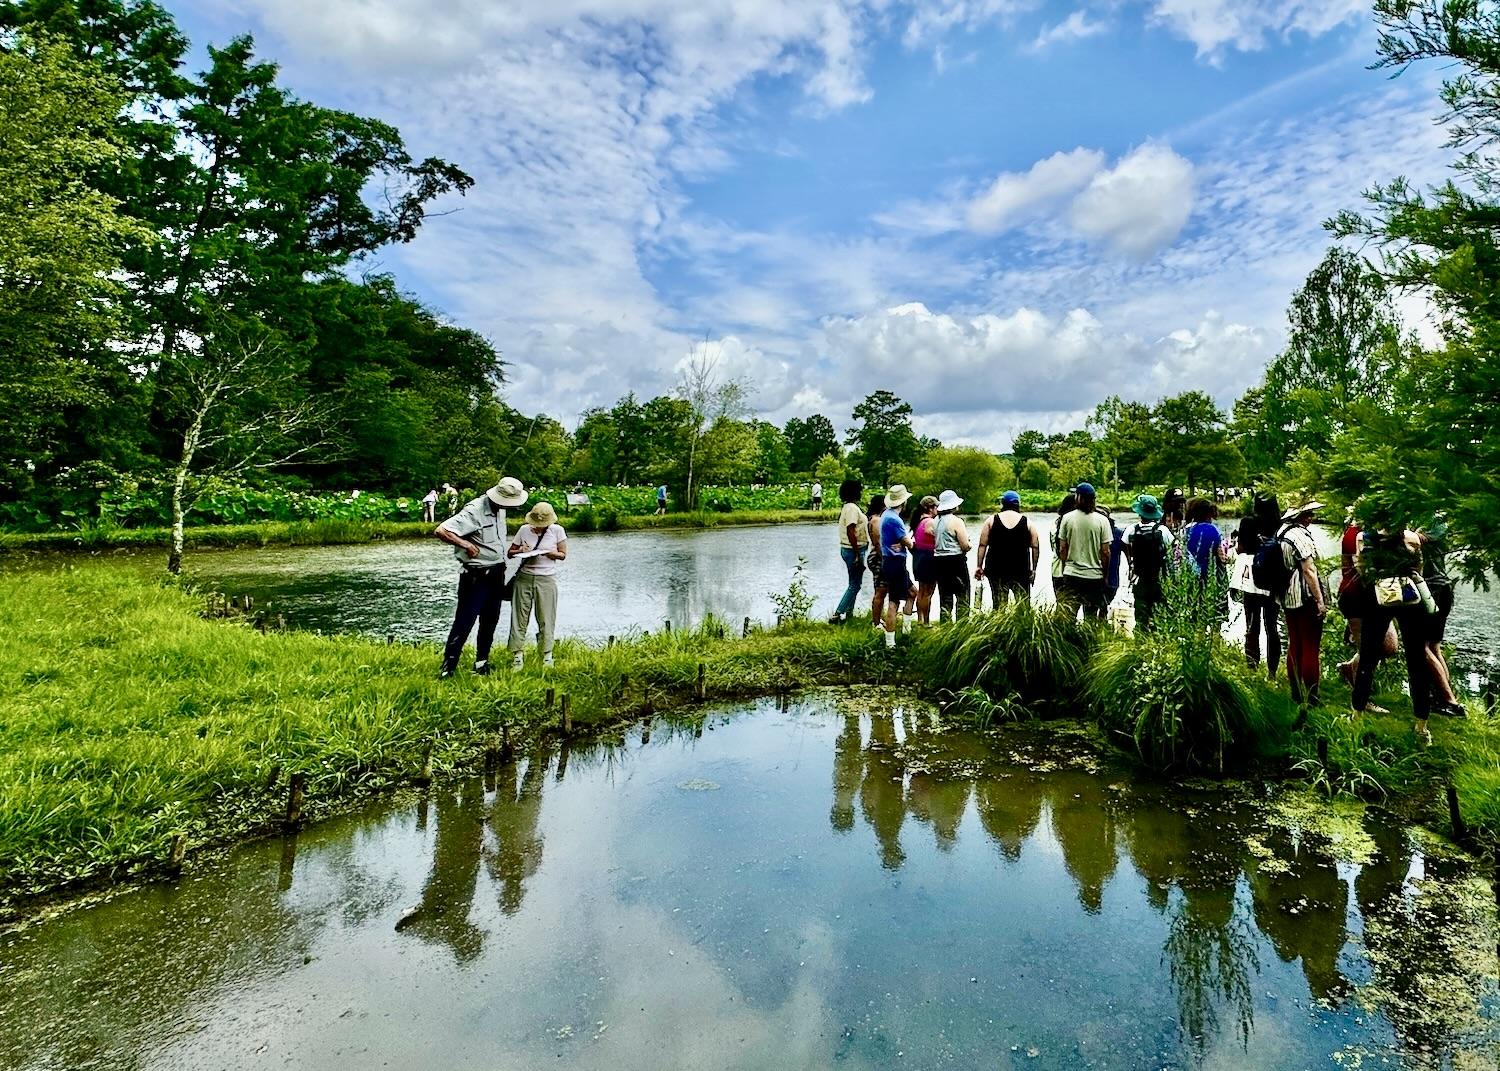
(614, 582)
(840, 883)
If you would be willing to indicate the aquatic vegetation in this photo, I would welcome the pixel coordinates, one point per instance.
(1019, 650)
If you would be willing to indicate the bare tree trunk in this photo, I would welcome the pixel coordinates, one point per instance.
(179, 487)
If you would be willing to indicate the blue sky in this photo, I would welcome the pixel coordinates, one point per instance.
(1001, 210)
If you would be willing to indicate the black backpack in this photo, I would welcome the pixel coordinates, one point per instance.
(1148, 554)
(1268, 569)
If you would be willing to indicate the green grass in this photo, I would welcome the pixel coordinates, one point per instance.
(128, 717)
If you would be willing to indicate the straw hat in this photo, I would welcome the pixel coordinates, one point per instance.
(896, 497)
(541, 515)
(508, 492)
(1301, 511)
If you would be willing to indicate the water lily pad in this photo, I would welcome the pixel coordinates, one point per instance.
(699, 784)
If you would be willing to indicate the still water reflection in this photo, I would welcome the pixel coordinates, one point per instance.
(617, 581)
(697, 902)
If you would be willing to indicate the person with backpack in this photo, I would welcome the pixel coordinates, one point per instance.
(1009, 551)
(1288, 568)
(1440, 584)
(1262, 613)
(1146, 544)
(1390, 573)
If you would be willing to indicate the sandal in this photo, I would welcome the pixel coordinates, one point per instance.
(1424, 737)
(1373, 708)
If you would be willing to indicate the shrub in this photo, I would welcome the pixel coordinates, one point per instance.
(1183, 704)
(1018, 651)
(584, 520)
(609, 520)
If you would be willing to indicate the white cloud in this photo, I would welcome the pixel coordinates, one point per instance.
(1215, 25)
(1013, 194)
(1139, 205)
(1076, 27)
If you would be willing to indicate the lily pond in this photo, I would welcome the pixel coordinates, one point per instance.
(832, 881)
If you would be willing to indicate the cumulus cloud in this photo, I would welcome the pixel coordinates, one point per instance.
(1076, 27)
(1028, 361)
(1139, 205)
(1011, 195)
(1215, 25)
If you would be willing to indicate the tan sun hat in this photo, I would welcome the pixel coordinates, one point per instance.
(896, 497)
(508, 492)
(541, 515)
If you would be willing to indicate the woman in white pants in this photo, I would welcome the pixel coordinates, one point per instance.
(535, 587)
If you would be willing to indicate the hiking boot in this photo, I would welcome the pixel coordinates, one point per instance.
(518, 662)
(482, 667)
(1424, 737)
(445, 673)
(547, 661)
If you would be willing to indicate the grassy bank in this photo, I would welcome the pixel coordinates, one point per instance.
(127, 717)
(337, 532)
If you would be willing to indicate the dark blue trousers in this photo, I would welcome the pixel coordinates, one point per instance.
(479, 592)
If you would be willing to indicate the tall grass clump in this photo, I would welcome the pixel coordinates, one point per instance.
(1180, 695)
(1017, 652)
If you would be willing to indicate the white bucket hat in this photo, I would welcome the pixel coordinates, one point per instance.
(949, 500)
(508, 492)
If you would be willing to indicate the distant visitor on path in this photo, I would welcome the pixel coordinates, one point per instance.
(477, 535)
(853, 538)
(429, 506)
(817, 495)
(451, 494)
(1083, 542)
(661, 501)
(543, 545)
(1147, 543)
(951, 556)
(1009, 550)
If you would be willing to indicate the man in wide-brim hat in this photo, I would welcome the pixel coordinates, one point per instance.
(477, 535)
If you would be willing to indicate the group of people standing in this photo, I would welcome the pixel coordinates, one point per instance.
(916, 549)
(484, 548)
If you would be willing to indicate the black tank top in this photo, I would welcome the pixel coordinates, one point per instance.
(1008, 556)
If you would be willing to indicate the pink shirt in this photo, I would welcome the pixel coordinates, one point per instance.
(925, 537)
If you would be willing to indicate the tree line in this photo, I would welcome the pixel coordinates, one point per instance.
(182, 302)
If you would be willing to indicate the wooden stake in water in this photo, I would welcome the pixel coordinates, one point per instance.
(700, 690)
(667, 626)
(273, 777)
(549, 702)
(1455, 816)
(294, 799)
(567, 714)
(424, 777)
(646, 733)
(744, 632)
(178, 852)
(1323, 751)
(507, 753)
(610, 642)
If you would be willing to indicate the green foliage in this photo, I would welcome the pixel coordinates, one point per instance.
(61, 307)
(794, 603)
(1028, 445)
(1127, 439)
(831, 471)
(1183, 705)
(1033, 654)
(882, 436)
(1193, 446)
(810, 441)
(1036, 474)
(976, 475)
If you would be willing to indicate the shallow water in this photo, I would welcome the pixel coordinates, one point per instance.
(840, 883)
(614, 582)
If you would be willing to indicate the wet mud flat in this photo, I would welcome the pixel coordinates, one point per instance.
(834, 880)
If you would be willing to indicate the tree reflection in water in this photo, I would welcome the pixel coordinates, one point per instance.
(1223, 905)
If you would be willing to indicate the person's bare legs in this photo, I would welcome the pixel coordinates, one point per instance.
(924, 602)
(890, 615)
(877, 607)
(1437, 665)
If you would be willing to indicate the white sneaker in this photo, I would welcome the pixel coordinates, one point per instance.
(546, 660)
(518, 662)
